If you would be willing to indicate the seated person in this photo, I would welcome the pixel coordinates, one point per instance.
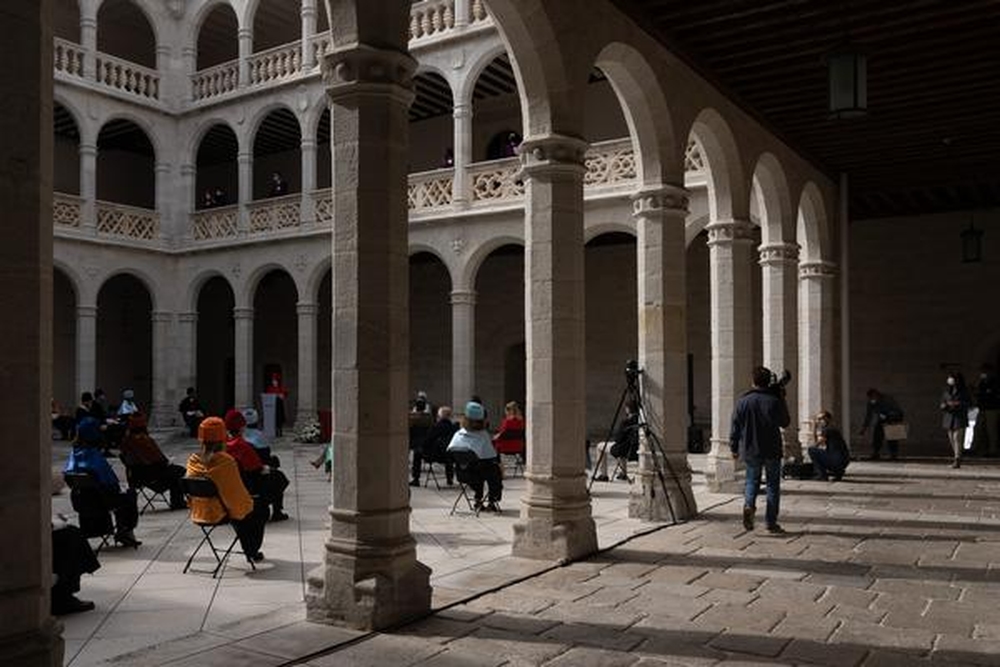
(71, 557)
(434, 447)
(624, 447)
(831, 455)
(146, 463)
(128, 405)
(257, 439)
(87, 457)
(64, 424)
(247, 515)
(509, 438)
(259, 478)
(191, 411)
(474, 438)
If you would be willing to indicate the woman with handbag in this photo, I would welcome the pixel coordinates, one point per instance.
(955, 414)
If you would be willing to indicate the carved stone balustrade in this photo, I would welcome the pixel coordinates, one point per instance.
(129, 222)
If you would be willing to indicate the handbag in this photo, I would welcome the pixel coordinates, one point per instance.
(895, 431)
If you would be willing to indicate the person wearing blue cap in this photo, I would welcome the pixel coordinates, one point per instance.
(474, 438)
(87, 458)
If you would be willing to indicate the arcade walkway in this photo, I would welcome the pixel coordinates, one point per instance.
(898, 565)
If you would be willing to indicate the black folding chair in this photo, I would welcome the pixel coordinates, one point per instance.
(505, 456)
(204, 487)
(91, 505)
(465, 462)
(150, 489)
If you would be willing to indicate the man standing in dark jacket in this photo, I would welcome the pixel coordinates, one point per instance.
(758, 418)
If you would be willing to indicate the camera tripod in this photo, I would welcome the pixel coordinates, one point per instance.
(632, 395)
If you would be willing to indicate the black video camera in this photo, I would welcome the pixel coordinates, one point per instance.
(779, 382)
(632, 370)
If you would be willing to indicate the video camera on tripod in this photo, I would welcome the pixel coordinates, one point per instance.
(779, 382)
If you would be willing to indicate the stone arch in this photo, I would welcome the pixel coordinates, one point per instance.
(774, 197)
(261, 114)
(204, 127)
(145, 58)
(592, 231)
(79, 119)
(265, 160)
(216, 161)
(124, 344)
(313, 114)
(417, 248)
(315, 279)
(140, 275)
(694, 227)
(198, 21)
(431, 118)
(470, 270)
(245, 296)
(199, 281)
(275, 332)
(143, 124)
(66, 20)
(122, 146)
(728, 196)
(812, 227)
(462, 92)
(250, 22)
(66, 141)
(646, 112)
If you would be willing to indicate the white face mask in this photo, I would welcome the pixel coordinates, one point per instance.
(951, 382)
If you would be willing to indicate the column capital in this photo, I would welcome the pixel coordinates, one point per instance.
(244, 157)
(463, 297)
(188, 169)
(365, 69)
(162, 168)
(244, 33)
(308, 143)
(189, 317)
(462, 110)
(87, 21)
(308, 9)
(161, 316)
(87, 149)
(728, 232)
(552, 154)
(243, 313)
(307, 309)
(779, 254)
(660, 199)
(86, 311)
(817, 269)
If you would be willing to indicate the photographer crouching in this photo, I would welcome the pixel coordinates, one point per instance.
(758, 418)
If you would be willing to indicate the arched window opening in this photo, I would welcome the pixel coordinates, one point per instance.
(66, 20)
(125, 340)
(324, 157)
(500, 338)
(496, 120)
(218, 38)
(604, 119)
(431, 117)
(216, 345)
(126, 165)
(430, 328)
(65, 152)
(276, 337)
(277, 156)
(276, 22)
(124, 31)
(217, 179)
(64, 342)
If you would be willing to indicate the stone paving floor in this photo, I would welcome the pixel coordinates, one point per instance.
(899, 564)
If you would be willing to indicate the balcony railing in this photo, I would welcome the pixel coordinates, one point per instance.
(67, 58)
(277, 64)
(129, 222)
(430, 189)
(67, 210)
(215, 81)
(127, 77)
(271, 215)
(215, 223)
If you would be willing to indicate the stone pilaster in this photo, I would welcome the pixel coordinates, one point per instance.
(556, 519)
(308, 13)
(86, 348)
(165, 202)
(243, 351)
(817, 280)
(370, 577)
(307, 209)
(780, 292)
(462, 152)
(88, 186)
(663, 483)
(187, 351)
(187, 197)
(730, 245)
(245, 40)
(88, 37)
(306, 399)
(244, 169)
(463, 346)
(161, 412)
(29, 637)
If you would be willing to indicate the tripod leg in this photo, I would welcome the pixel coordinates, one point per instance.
(611, 432)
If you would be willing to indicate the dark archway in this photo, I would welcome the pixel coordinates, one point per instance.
(276, 335)
(499, 325)
(125, 339)
(126, 165)
(65, 152)
(276, 22)
(431, 123)
(218, 37)
(217, 177)
(496, 111)
(216, 346)
(64, 341)
(612, 327)
(277, 149)
(66, 20)
(430, 328)
(324, 153)
(123, 30)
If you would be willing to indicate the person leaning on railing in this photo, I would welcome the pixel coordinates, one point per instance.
(234, 502)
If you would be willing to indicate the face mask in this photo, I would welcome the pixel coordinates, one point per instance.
(951, 382)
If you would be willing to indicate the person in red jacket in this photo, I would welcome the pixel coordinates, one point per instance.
(260, 479)
(509, 438)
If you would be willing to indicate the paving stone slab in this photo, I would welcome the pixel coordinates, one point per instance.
(592, 657)
(593, 634)
(521, 624)
(868, 634)
(804, 650)
(732, 582)
(753, 644)
(517, 649)
(741, 618)
(379, 651)
(438, 629)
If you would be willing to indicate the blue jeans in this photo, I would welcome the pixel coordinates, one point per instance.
(754, 469)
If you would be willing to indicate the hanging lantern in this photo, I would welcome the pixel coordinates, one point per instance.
(972, 244)
(848, 73)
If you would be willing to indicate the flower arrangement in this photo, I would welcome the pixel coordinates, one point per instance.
(309, 432)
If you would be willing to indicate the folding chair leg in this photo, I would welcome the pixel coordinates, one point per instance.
(429, 474)
(225, 557)
(194, 553)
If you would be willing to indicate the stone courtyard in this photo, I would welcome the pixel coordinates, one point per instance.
(895, 565)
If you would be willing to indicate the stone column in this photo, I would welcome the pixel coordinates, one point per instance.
(187, 351)
(29, 637)
(308, 12)
(187, 198)
(88, 37)
(161, 410)
(243, 351)
(165, 202)
(88, 187)
(371, 577)
(86, 348)
(462, 151)
(816, 359)
(306, 399)
(244, 166)
(780, 289)
(245, 37)
(307, 210)
(730, 245)
(461, 14)
(463, 346)
(664, 474)
(556, 520)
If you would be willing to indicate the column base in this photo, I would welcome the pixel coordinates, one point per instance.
(721, 468)
(41, 648)
(163, 416)
(555, 525)
(338, 594)
(670, 499)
